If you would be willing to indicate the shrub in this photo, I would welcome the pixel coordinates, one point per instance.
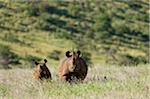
(31, 58)
(8, 57)
(87, 57)
(126, 60)
(11, 37)
(102, 23)
(33, 10)
(54, 55)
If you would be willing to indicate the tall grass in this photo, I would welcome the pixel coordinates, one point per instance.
(102, 82)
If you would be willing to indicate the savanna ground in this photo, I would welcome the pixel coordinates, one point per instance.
(102, 82)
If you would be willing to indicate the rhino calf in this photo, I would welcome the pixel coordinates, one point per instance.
(41, 71)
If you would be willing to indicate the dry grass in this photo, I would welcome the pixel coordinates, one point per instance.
(120, 82)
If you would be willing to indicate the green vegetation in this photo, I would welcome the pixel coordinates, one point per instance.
(4, 90)
(107, 32)
(8, 57)
(125, 82)
(114, 32)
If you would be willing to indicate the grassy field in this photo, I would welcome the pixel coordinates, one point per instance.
(120, 82)
(114, 32)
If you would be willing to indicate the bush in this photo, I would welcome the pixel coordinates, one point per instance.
(126, 60)
(31, 58)
(8, 57)
(33, 10)
(54, 55)
(87, 57)
(11, 37)
(102, 23)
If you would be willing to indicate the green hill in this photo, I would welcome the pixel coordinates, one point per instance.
(108, 31)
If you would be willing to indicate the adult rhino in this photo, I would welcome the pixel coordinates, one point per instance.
(73, 67)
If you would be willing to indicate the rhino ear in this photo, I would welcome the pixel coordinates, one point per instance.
(36, 63)
(45, 60)
(68, 54)
(78, 52)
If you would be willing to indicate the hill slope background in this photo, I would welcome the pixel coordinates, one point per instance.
(108, 31)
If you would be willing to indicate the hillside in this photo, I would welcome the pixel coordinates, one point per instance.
(108, 31)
